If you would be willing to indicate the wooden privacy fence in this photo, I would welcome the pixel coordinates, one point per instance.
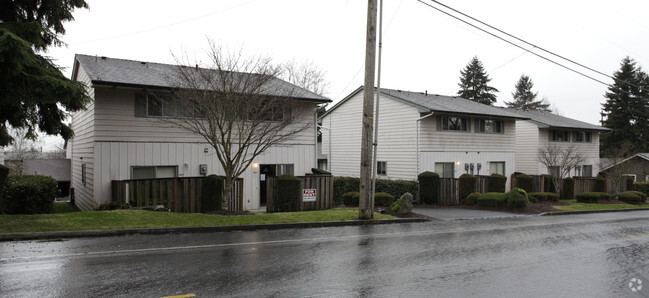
(180, 194)
(448, 191)
(322, 184)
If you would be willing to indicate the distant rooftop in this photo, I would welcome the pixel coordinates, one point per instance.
(556, 121)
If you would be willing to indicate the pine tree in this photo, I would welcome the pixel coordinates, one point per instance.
(625, 110)
(524, 98)
(474, 83)
(35, 94)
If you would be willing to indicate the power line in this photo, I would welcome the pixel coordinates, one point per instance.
(528, 43)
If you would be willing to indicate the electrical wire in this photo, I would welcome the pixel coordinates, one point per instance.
(523, 41)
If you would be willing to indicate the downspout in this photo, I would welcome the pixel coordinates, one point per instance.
(417, 153)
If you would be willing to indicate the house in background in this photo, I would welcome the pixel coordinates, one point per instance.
(118, 138)
(422, 132)
(549, 129)
(636, 166)
(2, 156)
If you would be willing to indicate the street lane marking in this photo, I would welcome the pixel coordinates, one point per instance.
(180, 296)
(636, 236)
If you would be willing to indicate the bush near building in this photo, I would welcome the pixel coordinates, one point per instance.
(28, 194)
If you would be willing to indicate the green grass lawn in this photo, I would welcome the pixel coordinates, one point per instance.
(574, 206)
(125, 219)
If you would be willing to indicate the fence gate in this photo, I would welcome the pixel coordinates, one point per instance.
(317, 192)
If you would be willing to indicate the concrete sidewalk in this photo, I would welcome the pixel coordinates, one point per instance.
(459, 213)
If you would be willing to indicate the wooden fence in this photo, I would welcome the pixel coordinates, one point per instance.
(448, 191)
(323, 185)
(181, 194)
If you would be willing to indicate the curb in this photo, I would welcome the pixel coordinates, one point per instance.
(592, 211)
(205, 229)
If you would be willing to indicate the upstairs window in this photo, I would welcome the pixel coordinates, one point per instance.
(582, 136)
(148, 105)
(453, 123)
(559, 136)
(490, 126)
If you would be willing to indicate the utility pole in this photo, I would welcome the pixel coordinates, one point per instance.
(364, 208)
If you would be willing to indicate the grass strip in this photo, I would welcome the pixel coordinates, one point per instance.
(574, 206)
(125, 219)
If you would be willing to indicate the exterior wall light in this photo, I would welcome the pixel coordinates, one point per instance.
(255, 165)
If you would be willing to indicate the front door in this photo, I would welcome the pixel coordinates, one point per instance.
(265, 171)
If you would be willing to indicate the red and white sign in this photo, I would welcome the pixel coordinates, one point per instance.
(308, 195)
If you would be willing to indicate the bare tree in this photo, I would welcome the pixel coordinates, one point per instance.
(25, 146)
(619, 166)
(559, 160)
(239, 107)
(306, 75)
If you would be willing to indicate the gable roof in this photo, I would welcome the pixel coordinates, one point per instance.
(611, 162)
(130, 73)
(551, 120)
(439, 103)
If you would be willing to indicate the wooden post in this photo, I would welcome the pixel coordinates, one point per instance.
(364, 210)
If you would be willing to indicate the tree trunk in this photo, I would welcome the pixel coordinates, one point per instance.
(227, 192)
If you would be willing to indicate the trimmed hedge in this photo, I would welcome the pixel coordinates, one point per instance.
(212, 193)
(568, 191)
(543, 196)
(471, 199)
(396, 188)
(351, 198)
(591, 197)
(492, 199)
(496, 183)
(383, 199)
(467, 185)
(633, 197)
(517, 198)
(524, 182)
(4, 173)
(642, 187)
(287, 195)
(428, 187)
(29, 194)
(600, 185)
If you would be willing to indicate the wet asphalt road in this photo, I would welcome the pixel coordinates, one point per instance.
(594, 255)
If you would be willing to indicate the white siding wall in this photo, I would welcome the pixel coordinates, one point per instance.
(589, 150)
(429, 158)
(527, 147)
(431, 139)
(118, 158)
(81, 149)
(345, 129)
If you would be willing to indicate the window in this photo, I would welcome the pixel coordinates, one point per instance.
(445, 169)
(453, 123)
(150, 172)
(554, 171)
(284, 169)
(559, 136)
(83, 173)
(490, 126)
(147, 105)
(381, 167)
(587, 170)
(582, 136)
(497, 167)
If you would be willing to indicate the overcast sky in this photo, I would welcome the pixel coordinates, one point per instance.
(423, 49)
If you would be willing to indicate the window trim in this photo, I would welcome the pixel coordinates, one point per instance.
(553, 132)
(588, 136)
(382, 168)
(480, 126)
(444, 119)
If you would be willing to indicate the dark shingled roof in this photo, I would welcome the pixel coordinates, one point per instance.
(121, 72)
(450, 104)
(556, 121)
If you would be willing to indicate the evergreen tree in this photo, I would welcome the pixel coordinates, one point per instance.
(34, 91)
(524, 98)
(474, 83)
(625, 110)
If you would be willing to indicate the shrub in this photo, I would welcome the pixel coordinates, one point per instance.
(543, 196)
(396, 206)
(28, 194)
(633, 197)
(428, 187)
(212, 193)
(496, 183)
(351, 198)
(600, 184)
(517, 198)
(343, 185)
(4, 173)
(524, 182)
(588, 197)
(467, 185)
(568, 191)
(471, 199)
(492, 199)
(287, 195)
(642, 187)
(383, 199)
(396, 188)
